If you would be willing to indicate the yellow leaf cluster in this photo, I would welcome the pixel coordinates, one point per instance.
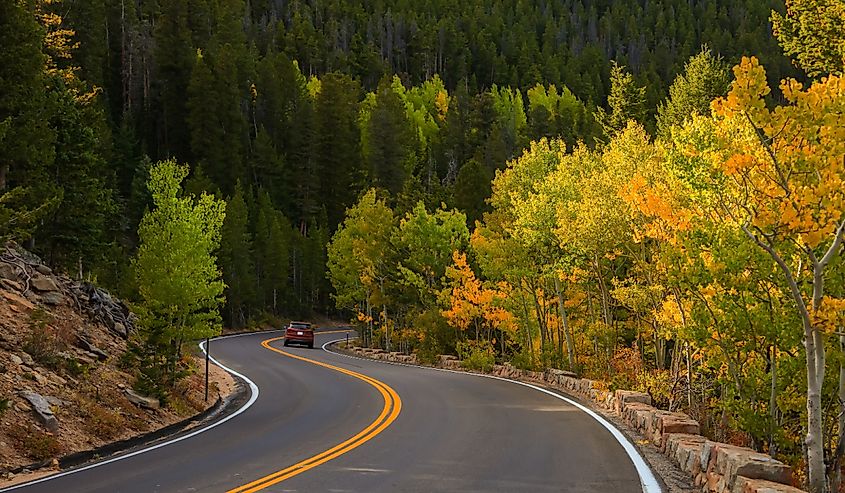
(472, 303)
(788, 173)
(664, 220)
(830, 315)
(441, 102)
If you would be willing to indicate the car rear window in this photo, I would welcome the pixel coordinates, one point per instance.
(300, 325)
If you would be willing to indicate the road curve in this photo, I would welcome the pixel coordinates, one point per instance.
(450, 432)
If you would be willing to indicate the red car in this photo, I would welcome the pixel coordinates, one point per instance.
(299, 333)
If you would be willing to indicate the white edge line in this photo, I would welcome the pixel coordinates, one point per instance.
(648, 481)
(253, 397)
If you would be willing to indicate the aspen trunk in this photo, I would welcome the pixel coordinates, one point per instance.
(570, 346)
(540, 318)
(813, 440)
(605, 295)
(527, 329)
(814, 352)
(815, 378)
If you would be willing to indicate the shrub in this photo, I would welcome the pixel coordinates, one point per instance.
(76, 369)
(626, 366)
(436, 337)
(523, 360)
(476, 355)
(34, 443)
(103, 422)
(44, 342)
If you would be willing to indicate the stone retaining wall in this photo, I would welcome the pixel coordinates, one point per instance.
(715, 467)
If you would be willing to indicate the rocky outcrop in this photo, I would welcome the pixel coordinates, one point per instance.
(25, 273)
(715, 467)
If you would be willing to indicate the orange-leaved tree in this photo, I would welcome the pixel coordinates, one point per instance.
(471, 304)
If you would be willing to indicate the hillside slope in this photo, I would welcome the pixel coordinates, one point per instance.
(62, 388)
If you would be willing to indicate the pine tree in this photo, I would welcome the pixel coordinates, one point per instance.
(705, 78)
(336, 152)
(214, 118)
(174, 60)
(471, 190)
(389, 140)
(273, 237)
(268, 170)
(456, 148)
(236, 254)
(206, 135)
(79, 230)
(626, 102)
(25, 140)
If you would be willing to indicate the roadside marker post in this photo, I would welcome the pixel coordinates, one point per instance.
(207, 350)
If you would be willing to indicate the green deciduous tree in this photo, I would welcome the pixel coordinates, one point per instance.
(178, 281)
(425, 242)
(358, 256)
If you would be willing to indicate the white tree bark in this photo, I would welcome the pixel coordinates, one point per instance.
(570, 345)
(814, 352)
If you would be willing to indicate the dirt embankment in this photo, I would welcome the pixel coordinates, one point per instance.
(62, 386)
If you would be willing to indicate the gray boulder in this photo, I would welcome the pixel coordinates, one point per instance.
(55, 401)
(86, 345)
(41, 408)
(52, 298)
(27, 359)
(140, 400)
(8, 271)
(44, 284)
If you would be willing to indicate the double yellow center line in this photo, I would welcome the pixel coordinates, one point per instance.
(389, 413)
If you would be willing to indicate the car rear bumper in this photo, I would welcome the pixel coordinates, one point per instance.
(298, 338)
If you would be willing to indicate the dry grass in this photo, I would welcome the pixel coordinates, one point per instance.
(37, 444)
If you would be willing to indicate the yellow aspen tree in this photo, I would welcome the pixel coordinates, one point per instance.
(784, 186)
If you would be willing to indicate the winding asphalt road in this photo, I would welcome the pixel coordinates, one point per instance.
(352, 425)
